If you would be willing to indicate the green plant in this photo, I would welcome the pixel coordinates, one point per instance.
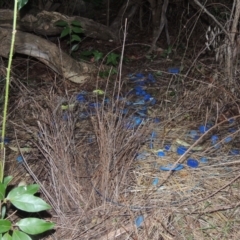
(73, 31)
(167, 52)
(92, 53)
(22, 197)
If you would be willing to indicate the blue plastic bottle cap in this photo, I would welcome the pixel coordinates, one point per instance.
(193, 163)
(181, 150)
(160, 154)
(203, 160)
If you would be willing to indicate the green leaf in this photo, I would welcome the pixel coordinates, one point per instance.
(34, 225)
(17, 235)
(6, 236)
(76, 23)
(77, 29)
(66, 31)
(7, 180)
(2, 191)
(3, 212)
(112, 58)
(61, 23)
(21, 4)
(17, 191)
(75, 37)
(97, 55)
(5, 225)
(29, 203)
(74, 47)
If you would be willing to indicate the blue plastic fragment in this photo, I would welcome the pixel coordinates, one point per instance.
(167, 147)
(203, 128)
(139, 220)
(234, 152)
(232, 130)
(151, 146)
(160, 154)
(181, 150)
(6, 140)
(139, 102)
(147, 97)
(150, 78)
(214, 140)
(94, 105)
(174, 70)
(19, 159)
(156, 120)
(142, 156)
(152, 101)
(193, 163)
(81, 98)
(155, 181)
(203, 160)
(139, 75)
(231, 120)
(193, 134)
(169, 167)
(228, 139)
(153, 134)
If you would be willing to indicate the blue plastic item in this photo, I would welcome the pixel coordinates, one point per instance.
(193, 163)
(19, 159)
(234, 152)
(174, 70)
(139, 220)
(147, 97)
(232, 130)
(81, 98)
(94, 105)
(214, 140)
(203, 160)
(153, 134)
(6, 140)
(169, 167)
(231, 120)
(152, 101)
(160, 154)
(150, 78)
(228, 139)
(142, 156)
(193, 134)
(203, 128)
(181, 150)
(167, 147)
(155, 181)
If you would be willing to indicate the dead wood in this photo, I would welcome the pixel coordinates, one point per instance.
(48, 53)
(43, 23)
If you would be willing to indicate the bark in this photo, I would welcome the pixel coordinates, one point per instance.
(48, 53)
